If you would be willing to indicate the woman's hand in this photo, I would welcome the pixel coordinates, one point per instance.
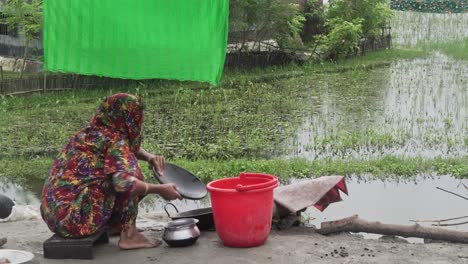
(159, 163)
(169, 191)
(156, 161)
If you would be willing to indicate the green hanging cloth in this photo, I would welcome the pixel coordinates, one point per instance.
(139, 39)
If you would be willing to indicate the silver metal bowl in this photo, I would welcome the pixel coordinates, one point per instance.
(181, 232)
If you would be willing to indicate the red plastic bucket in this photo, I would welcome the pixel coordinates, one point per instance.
(243, 208)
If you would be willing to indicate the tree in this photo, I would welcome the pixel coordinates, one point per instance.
(343, 38)
(375, 14)
(347, 22)
(27, 17)
(265, 19)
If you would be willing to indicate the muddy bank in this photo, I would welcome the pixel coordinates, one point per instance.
(297, 245)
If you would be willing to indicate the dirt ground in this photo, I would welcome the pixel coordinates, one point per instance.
(296, 245)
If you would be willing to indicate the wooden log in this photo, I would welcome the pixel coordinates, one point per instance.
(355, 224)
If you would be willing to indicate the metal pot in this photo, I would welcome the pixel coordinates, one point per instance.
(203, 215)
(181, 232)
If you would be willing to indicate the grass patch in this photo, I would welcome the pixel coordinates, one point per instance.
(242, 125)
(456, 49)
(183, 120)
(389, 166)
(385, 167)
(15, 75)
(367, 61)
(383, 56)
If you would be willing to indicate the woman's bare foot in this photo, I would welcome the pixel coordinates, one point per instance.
(132, 239)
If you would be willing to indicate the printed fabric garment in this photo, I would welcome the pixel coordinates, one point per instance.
(90, 181)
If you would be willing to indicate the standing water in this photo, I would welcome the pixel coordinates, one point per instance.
(415, 28)
(26, 202)
(18, 193)
(398, 202)
(411, 108)
(414, 108)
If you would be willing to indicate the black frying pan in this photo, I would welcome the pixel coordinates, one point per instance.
(189, 186)
(204, 216)
(6, 206)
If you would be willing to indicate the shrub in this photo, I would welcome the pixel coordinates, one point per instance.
(343, 38)
(375, 14)
(264, 19)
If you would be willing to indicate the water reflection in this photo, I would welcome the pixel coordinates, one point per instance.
(412, 108)
(18, 193)
(413, 28)
(391, 201)
(398, 202)
(427, 101)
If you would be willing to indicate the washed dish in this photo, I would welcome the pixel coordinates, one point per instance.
(189, 186)
(12, 256)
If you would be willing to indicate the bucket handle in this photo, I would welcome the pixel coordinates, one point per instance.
(249, 175)
(165, 209)
(243, 188)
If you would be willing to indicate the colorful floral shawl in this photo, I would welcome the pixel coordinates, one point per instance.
(98, 163)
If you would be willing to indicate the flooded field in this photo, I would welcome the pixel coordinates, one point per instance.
(409, 109)
(414, 108)
(413, 28)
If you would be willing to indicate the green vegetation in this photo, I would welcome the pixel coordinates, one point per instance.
(333, 31)
(368, 61)
(245, 114)
(248, 123)
(371, 15)
(263, 19)
(343, 38)
(346, 22)
(16, 75)
(455, 49)
(388, 167)
(27, 17)
(345, 115)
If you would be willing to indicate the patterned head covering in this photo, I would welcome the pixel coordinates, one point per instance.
(124, 113)
(91, 181)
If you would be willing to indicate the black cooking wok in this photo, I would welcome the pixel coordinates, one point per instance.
(189, 186)
(6, 206)
(204, 216)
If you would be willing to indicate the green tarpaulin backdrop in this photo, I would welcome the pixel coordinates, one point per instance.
(139, 39)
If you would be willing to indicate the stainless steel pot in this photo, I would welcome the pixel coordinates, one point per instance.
(181, 232)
